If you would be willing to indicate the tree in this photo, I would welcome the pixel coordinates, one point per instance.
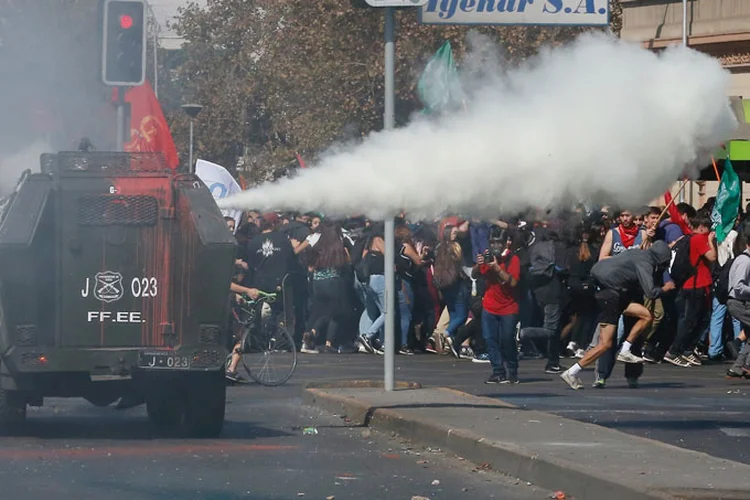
(284, 76)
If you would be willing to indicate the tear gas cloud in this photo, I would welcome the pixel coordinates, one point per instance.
(51, 93)
(597, 120)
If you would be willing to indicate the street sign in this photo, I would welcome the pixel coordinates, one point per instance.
(516, 12)
(396, 3)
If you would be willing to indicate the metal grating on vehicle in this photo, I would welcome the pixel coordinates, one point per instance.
(26, 335)
(110, 210)
(207, 358)
(105, 162)
(209, 334)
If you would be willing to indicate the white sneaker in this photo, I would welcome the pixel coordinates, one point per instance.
(580, 353)
(572, 380)
(628, 357)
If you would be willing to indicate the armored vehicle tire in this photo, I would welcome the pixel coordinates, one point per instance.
(164, 411)
(12, 410)
(205, 405)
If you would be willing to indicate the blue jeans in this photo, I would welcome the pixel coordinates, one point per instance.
(499, 334)
(405, 305)
(457, 301)
(376, 302)
(719, 312)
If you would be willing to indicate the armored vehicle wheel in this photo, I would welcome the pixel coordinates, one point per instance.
(164, 411)
(12, 410)
(204, 406)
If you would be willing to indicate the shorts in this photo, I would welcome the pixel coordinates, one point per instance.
(611, 304)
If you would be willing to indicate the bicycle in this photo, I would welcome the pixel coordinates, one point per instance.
(263, 341)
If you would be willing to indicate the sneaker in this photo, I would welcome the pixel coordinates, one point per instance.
(481, 358)
(234, 377)
(451, 347)
(362, 349)
(308, 349)
(466, 353)
(731, 374)
(510, 380)
(495, 379)
(628, 357)
(572, 380)
(648, 358)
(632, 382)
(406, 350)
(600, 383)
(700, 354)
(676, 360)
(330, 350)
(693, 359)
(365, 342)
(580, 353)
(553, 369)
(430, 346)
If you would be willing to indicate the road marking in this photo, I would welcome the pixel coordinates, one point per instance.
(735, 432)
(129, 451)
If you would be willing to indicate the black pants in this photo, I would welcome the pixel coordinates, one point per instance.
(472, 330)
(694, 307)
(330, 307)
(659, 343)
(550, 331)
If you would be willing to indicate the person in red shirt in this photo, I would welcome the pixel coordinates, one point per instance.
(501, 269)
(694, 299)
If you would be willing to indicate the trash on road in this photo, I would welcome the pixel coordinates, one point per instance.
(309, 431)
(436, 482)
(559, 495)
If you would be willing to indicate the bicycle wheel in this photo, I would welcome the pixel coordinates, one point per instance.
(269, 357)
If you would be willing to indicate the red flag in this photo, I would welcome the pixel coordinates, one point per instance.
(674, 214)
(149, 132)
(301, 161)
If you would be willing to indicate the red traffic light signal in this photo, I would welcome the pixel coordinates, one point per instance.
(124, 47)
(126, 22)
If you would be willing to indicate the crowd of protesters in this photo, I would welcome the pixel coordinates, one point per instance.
(598, 286)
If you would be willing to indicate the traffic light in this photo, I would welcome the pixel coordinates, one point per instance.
(124, 50)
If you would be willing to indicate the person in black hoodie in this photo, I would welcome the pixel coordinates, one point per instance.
(622, 280)
(547, 274)
(582, 254)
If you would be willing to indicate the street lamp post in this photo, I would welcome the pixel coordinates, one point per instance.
(192, 110)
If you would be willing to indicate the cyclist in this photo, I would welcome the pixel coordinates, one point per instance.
(238, 291)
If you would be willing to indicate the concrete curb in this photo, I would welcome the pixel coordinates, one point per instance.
(506, 457)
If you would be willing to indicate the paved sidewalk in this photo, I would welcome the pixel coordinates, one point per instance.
(584, 460)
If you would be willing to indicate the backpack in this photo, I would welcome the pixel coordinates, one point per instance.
(681, 268)
(542, 256)
(720, 277)
(362, 267)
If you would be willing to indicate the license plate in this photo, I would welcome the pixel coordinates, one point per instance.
(163, 360)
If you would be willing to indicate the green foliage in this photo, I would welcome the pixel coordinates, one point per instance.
(283, 76)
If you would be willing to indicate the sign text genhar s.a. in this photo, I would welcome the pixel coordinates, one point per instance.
(564, 12)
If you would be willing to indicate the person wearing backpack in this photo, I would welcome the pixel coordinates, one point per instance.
(725, 254)
(738, 303)
(622, 281)
(548, 255)
(691, 273)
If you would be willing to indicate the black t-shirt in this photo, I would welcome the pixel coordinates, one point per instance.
(467, 259)
(271, 257)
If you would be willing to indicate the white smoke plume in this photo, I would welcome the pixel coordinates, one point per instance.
(598, 120)
(13, 165)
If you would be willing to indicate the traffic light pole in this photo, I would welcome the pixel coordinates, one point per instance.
(121, 119)
(390, 245)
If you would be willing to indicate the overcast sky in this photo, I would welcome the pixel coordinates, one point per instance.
(165, 10)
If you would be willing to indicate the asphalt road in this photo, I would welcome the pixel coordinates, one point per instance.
(71, 449)
(694, 408)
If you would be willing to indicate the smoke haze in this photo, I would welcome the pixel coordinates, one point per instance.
(598, 120)
(51, 93)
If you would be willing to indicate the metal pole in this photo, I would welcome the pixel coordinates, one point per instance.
(190, 165)
(684, 44)
(156, 60)
(120, 119)
(390, 244)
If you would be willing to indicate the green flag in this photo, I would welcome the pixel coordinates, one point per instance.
(727, 202)
(439, 85)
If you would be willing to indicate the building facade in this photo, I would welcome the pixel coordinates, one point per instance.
(720, 28)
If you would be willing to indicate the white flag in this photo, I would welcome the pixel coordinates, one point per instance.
(221, 184)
